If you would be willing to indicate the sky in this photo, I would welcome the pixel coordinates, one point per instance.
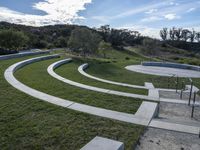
(145, 16)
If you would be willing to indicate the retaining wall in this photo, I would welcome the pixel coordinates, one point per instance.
(172, 65)
(18, 55)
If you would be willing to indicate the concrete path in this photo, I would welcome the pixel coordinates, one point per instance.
(85, 66)
(23, 54)
(100, 143)
(164, 71)
(157, 123)
(153, 92)
(92, 88)
(139, 118)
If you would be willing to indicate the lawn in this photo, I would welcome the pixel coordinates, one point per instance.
(35, 75)
(29, 123)
(70, 71)
(114, 70)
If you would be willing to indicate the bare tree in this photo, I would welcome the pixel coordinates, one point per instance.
(185, 34)
(192, 36)
(178, 33)
(172, 33)
(164, 33)
(198, 37)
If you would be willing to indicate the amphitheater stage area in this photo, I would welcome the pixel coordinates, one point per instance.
(166, 69)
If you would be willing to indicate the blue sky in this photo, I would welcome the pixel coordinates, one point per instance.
(146, 16)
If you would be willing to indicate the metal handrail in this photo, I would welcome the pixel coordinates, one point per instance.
(191, 89)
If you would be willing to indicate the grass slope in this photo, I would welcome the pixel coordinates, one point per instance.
(35, 75)
(29, 123)
(115, 71)
(70, 71)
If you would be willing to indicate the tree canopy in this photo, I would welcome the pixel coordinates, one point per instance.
(84, 40)
(13, 40)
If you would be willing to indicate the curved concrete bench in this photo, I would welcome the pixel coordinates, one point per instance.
(11, 56)
(92, 88)
(85, 66)
(142, 117)
(171, 65)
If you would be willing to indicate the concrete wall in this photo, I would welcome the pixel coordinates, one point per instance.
(18, 55)
(172, 65)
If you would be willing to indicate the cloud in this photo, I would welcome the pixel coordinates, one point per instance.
(171, 16)
(191, 9)
(173, 3)
(139, 10)
(151, 19)
(57, 12)
(151, 11)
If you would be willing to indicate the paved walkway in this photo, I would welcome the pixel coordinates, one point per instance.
(139, 118)
(164, 71)
(157, 123)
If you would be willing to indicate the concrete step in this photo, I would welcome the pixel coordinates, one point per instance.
(159, 123)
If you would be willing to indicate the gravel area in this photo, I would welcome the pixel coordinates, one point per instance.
(158, 139)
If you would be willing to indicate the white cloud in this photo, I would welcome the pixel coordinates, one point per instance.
(173, 3)
(171, 16)
(139, 10)
(151, 19)
(57, 12)
(151, 11)
(191, 9)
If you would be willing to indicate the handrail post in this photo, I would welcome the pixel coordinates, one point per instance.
(181, 96)
(177, 84)
(191, 89)
(192, 115)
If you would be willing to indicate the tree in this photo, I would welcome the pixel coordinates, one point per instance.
(84, 40)
(164, 33)
(172, 33)
(178, 33)
(198, 37)
(61, 42)
(105, 32)
(104, 47)
(192, 36)
(185, 34)
(150, 46)
(13, 40)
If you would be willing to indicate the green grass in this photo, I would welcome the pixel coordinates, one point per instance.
(29, 123)
(35, 75)
(115, 71)
(70, 71)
